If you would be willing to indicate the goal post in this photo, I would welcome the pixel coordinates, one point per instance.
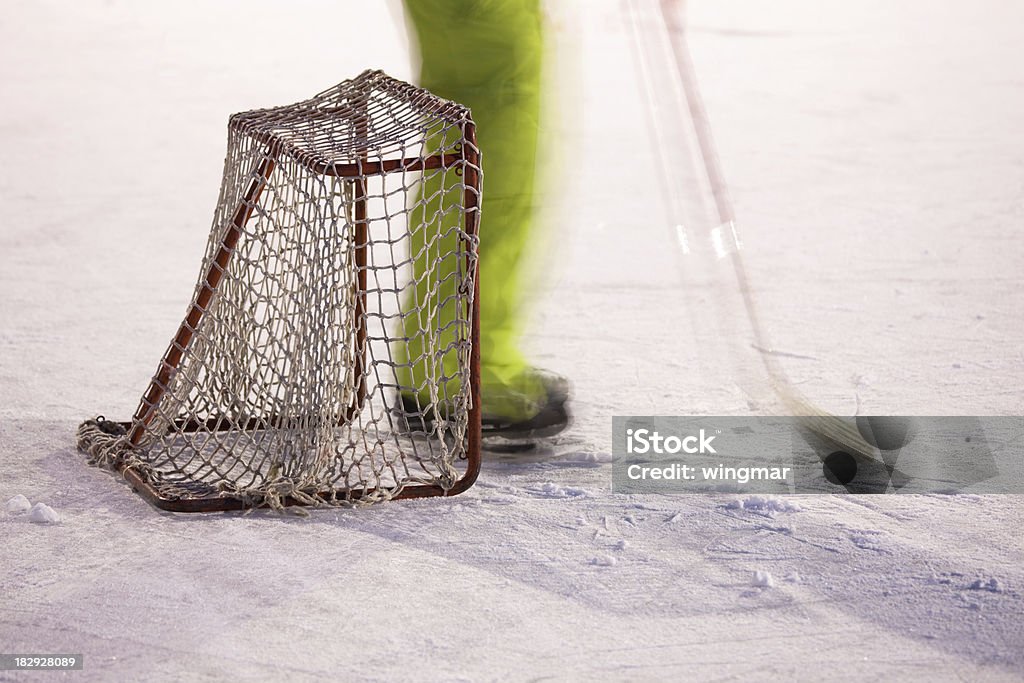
(340, 276)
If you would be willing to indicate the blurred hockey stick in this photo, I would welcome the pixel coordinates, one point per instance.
(837, 432)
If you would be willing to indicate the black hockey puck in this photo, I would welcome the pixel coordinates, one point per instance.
(840, 468)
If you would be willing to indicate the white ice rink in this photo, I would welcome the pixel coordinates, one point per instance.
(876, 159)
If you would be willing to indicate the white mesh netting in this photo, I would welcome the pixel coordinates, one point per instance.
(327, 355)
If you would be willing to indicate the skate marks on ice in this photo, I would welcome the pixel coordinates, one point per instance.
(701, 556)
(903, 565)
(943, 571)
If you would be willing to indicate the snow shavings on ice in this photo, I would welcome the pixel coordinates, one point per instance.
(762, 579)
(586, 458)
(767, 505)
(18, 505)
(43, 514)
(552, 490)
(867, 539)
(40, 512)
(991, 585)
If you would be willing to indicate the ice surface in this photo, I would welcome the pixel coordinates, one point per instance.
(875, 157)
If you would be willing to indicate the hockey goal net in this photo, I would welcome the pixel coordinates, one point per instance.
(329, 353)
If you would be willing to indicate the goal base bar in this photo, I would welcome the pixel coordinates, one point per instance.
(226, 503)
(216, 500)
